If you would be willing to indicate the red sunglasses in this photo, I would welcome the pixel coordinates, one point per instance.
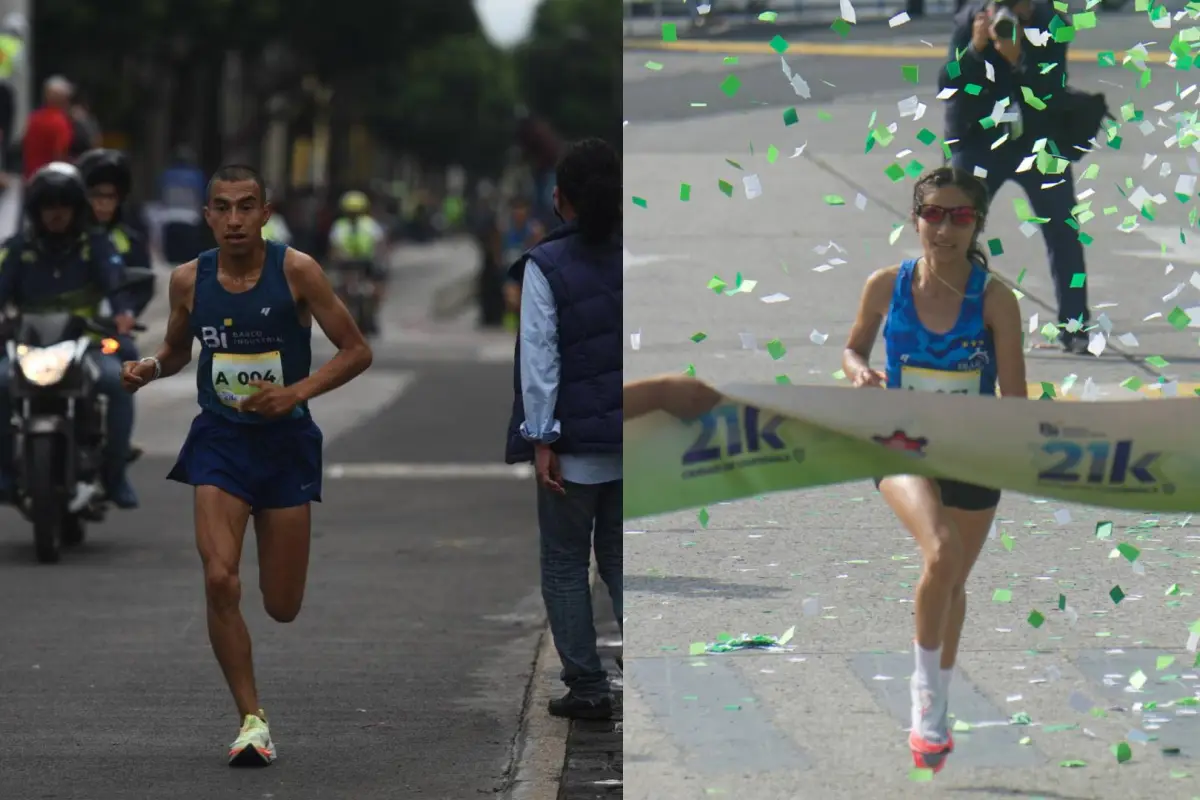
(960, 216)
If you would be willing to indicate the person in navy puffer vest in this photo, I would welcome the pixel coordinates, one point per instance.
(566, 416)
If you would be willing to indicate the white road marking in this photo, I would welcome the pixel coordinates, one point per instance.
(397, 471)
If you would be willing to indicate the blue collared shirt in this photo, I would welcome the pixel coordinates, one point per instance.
(541, 368)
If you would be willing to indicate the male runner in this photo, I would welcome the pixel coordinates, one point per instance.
(254, 448)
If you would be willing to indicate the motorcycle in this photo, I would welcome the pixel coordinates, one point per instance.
(59, 428)
(354, 285)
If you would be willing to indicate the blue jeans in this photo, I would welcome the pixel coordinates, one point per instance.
(1063, 248)
(120, 422)
(587, 516)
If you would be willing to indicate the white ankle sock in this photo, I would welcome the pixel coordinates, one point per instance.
(946, 675)
(928, 665)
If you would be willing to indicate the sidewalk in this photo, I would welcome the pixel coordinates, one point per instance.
(646, 31)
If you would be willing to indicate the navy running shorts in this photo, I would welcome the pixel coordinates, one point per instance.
(271, 465)
(964, 496)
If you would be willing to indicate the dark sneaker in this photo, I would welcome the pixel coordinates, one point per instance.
(572, 706)
(1075, 343)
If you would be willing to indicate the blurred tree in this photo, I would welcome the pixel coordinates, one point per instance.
(451, 101)
(567, 67)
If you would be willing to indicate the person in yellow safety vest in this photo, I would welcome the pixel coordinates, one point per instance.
(357, 237)
(276, 228)
(13, 32)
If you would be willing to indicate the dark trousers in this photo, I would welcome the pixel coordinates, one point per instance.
(1063, 247)
(588, 516)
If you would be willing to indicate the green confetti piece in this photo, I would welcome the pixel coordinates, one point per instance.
(735, 164)
(783, 380)
(1116, 594)
(1035, 618)
(790, 117)
(1007, 541)
(640, 202)
(1132, 383)
(911, 73)
(776, 349)
(1122, 752)
(1104, 530)
(1084, 20)
(914, 169)
(717, 285)
(767, 16)
(1179, 319)
(926, 136)
(726, 188)
(895, 172)
(1173, 589)
(834, 200)
(1162, 662)
(654, 66)
(729, 60)
(841, 27)
(731, 85)
(690, 370)
(1002, 596)
(1129, 551)
(1072, 763)
(670, 33)
(699, 337)
(772, 154)
(697, 648)
(1078, 279)
(685, 192)
(920, 775)
(953, 69)
(1062, 602)
(1106, 59)
(703, 517)
(995, 247)
(779, 44)
(1158, 362)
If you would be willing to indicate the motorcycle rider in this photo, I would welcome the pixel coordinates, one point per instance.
(108, 179)
(58, 264)
(357, 236)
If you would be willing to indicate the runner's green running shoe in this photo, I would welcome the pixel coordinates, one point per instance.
(253, 746)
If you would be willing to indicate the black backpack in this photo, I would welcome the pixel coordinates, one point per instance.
(1081, 115)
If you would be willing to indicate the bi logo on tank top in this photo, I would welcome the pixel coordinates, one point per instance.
(234, 373)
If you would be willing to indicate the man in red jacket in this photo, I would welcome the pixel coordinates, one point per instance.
(49, 132)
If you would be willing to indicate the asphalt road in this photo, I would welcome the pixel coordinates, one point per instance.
(405, 673)
(827, 720)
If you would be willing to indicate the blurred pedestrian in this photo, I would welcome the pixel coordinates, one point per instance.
(566, 415)
(182, 189)
(541, 147)
(85, 129)
(49, 132)
(484, 224)
(14, 30)
(520, 232)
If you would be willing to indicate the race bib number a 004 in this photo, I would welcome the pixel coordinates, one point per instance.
(942, 381)
(232, 374)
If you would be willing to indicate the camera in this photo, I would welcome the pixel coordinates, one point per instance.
(1004, 22)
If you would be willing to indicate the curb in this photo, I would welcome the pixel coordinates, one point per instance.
(541, 746)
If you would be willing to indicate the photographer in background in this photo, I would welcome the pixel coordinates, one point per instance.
(993, 32)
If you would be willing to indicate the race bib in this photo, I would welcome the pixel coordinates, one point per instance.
(232, 374)
(936, 380)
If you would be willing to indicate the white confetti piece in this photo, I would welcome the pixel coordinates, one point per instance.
(849, 16)
(860, 202)
(749, 341)
(816, 337)
(1128, 340)
(1096, 343)
(898, 20)
(799, 85)
(753, 186)
(778, 297)
(799, 151)
(635, 340)
(811, 607)
(1062, 516)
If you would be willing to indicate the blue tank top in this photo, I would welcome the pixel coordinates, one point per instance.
(251, 335)
(960, 361)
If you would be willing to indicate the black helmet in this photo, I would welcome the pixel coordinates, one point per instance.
(106, 166)
(57, 184)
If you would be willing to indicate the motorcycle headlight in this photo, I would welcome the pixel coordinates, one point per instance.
(45, 366)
